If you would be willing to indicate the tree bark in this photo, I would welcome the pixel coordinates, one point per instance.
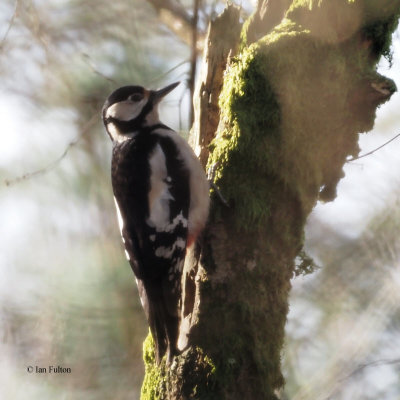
(292, 104)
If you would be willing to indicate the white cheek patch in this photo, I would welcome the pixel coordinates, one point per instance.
(125, 110)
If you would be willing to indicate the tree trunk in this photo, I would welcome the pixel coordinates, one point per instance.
(293, 101)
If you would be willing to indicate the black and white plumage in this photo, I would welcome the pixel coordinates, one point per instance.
(162, 199)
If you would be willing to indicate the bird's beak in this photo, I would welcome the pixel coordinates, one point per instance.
(157, 95)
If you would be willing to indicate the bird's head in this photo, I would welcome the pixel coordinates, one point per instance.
(130, 108)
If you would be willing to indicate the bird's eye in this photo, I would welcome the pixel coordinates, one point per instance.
(136, 97)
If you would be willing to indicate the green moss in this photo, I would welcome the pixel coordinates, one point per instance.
(305, 264)
(378, 33)
(290, 109)
(202, 371)
(292, 106)
(253, 326)
(243, 42)
(164, 382)
(152, 387)
(245, 87)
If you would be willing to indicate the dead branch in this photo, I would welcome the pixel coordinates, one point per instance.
(177, 19)
(193, 58)
(221, 42)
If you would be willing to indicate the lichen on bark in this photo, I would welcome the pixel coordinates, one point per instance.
(292, 105)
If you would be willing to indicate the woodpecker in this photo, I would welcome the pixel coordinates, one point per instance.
(161, 195)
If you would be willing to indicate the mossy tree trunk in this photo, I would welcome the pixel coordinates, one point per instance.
(299, 86)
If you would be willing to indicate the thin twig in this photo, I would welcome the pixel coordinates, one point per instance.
(164, 74)
(10, 24)
(360, 368)
(88, 61)
(373, 151)
(54, 163)
(371, 364)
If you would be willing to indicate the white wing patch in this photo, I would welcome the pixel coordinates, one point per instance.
(121, 226)
(120, 220)
(159, 195)
(179, 219)
(199, 186)
(166, 252)
(141, 298)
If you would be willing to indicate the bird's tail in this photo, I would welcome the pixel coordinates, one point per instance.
(164, 326)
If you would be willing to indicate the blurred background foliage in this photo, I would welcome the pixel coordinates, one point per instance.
(67, 295)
